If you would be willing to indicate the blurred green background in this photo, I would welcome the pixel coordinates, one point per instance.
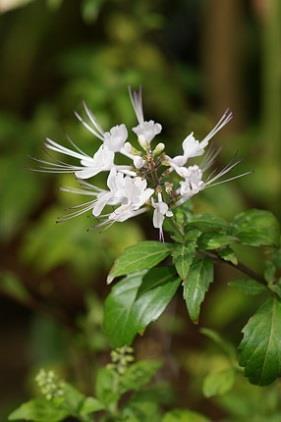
(194, 58)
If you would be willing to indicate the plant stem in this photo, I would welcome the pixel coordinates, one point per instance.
(240, 267)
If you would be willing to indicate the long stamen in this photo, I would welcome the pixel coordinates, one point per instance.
(136, 100)
(224, 120)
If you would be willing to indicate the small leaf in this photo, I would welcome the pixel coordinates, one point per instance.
(196, 285)
(206, 222)
(256, 228)
(227, 254)
(136, 301)
(40, 410)
(179, 415)
(219, 382)
(107, 386)
(260, 349)
(183, 257)
(12, 286)
(248, 286)
(142, 256)
(139, 374)
(214, 240)
(90, 405)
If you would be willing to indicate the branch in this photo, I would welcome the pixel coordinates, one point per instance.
(240, 267)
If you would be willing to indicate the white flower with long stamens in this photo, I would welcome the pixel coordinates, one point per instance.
(161, 210)
(114, 139)
(131, 189)
(192, 183)
(136, 195)
(193, 148)
(102, 160)
(145, 130)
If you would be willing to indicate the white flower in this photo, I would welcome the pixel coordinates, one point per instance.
(192, 183)
(130, 188)
(135, 195)
(145, 130)
(193, 148)
(131, 193)
(161, 210)
(102, 160)
(131, 153)
(114, 139)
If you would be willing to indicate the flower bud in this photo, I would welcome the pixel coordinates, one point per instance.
(158, 149)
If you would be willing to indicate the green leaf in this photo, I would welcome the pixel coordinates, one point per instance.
(12, 286)
(139, 374)
(90, 405)
(214, 240)
(248, 286)
(207, 222)
(183, 257)
(184, 416)
(133, 303)
(227, 254)
(142, 256)
(260, 349)
(219, 382)
(256, 228)
(119, 325)
(196, 285)
(39, 410)
(107, 386)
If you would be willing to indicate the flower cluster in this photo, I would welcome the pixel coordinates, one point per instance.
(49, 384)
(121, 359)
(152, 179)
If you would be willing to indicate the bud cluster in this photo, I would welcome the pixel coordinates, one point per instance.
(121, 358)
(50, 385)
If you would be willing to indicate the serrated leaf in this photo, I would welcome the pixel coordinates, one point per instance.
(136, 301)
(219, 382)
(179, 415)
(256, 228)
(39, 410)
(248, 286)
(118, 324)
(214, 240)
(227, 254)
(183, 257)
(196, 286)
(206, 222)
(142, 256)
(260, 349)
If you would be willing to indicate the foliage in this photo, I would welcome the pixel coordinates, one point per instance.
(52, 275)
(122, 376)
(138, 300)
